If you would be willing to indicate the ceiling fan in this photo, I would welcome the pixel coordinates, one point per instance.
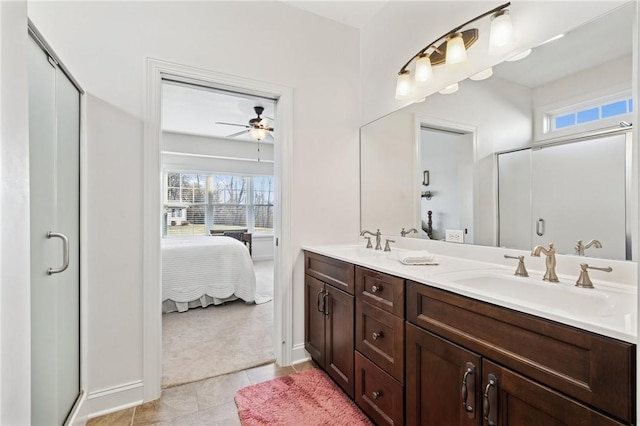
(258, 127)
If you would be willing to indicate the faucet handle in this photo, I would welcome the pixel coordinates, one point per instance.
(369, 245)
(583, 280)
(387, 247)
(521, 270)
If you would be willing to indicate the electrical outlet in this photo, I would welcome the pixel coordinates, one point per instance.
(454, 235)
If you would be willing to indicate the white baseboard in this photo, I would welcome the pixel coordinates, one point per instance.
(115, 399)
(299, 354)
(78, 416)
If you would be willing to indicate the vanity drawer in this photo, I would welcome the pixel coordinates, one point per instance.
(380, 290)
(379, 395)
(331, 271)
(380, 336)
(597, 370)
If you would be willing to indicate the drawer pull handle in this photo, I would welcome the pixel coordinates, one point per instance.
(319, 301)
(468, 377)
(377, 336)
(486, 404)
(375, 289)
(376, 394)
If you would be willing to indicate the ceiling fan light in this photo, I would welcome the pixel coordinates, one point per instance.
(456, 52)
(482, 75)
(258, 133)
(403, 86)
(501, 34)
(453, 88)
(424, 72)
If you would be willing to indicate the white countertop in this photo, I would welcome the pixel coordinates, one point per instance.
(609, 309)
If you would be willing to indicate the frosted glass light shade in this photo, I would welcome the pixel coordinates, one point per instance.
(456, 52)
(449, 89)
(501, 32)
(424, 72)
(403, 86)
(258, 134)
(482, 75)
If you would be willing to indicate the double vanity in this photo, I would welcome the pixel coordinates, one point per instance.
(466, 342)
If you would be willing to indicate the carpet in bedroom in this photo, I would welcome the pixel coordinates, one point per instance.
(203, 343)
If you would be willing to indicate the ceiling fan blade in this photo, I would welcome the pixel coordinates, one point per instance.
(232, 124)
(237, 134)
(270, 136)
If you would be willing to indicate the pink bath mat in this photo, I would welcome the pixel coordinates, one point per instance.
(307, 398)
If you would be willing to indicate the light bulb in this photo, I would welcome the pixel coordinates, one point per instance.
(424, 72)
(403, 86)
(482, 75)
(258, 133)
(456, 52)
(449, 89)
(501, 32)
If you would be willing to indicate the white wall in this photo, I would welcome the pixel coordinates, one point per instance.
(105, 45)
(401, 29)
(15, 313)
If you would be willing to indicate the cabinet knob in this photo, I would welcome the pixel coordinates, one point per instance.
(376, 394)
(375, 289)
(377, 336)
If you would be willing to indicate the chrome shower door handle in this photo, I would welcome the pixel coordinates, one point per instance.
(540, 227)
(65, 253)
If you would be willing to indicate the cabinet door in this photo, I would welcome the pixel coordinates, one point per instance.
(512, 399)
(339, 361)
(442, 383)
(314, 331)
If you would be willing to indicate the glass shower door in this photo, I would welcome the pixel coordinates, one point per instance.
(54, 143)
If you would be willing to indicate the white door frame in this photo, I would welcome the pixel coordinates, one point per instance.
(152, 295)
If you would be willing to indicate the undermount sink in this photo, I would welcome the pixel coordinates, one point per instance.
(562, 298)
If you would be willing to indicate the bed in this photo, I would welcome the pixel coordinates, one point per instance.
(199, 271)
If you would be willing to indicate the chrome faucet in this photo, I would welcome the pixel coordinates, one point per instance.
(550, 262)
(404, 233)
(583, 280)
(377, 235)
(580, 248)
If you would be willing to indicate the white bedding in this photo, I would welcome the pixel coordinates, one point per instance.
(197, 271)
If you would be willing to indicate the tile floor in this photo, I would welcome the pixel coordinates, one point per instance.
(207, 402)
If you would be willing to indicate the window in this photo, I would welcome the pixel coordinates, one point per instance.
(196, 203)
(590, 112)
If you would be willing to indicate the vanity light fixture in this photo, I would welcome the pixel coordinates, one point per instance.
(451, 48)
(501, 35)
(424, 72)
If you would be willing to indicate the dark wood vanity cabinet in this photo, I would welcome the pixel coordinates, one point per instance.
(540, 369)
(329, 317)
(443, 381)
(409, 353)
(380, 346)
(510, 399)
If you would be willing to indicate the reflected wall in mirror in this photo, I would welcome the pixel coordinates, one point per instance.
(525, 104)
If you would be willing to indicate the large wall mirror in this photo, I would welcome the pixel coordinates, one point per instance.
(538, 153)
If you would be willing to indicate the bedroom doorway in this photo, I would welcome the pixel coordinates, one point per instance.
(218, 233)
